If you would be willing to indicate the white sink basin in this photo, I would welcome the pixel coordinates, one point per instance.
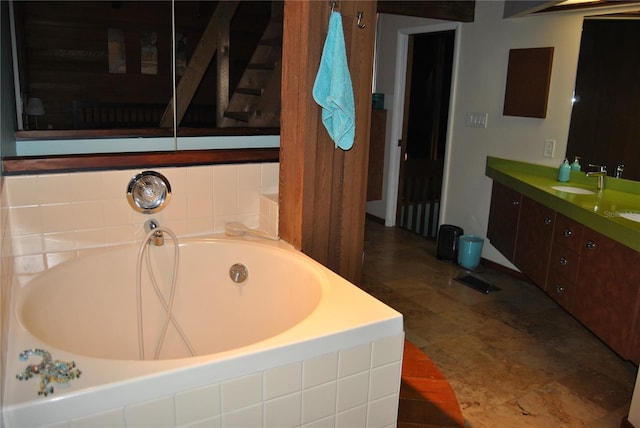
(576, 190)
(630, 215)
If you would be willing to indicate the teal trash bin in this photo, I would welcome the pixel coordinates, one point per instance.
(469, 251)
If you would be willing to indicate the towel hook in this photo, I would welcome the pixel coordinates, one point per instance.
(332, 4)
(360, 15)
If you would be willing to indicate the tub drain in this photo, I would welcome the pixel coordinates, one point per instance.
(238, 273)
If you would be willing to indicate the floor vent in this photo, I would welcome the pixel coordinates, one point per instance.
(477, 284)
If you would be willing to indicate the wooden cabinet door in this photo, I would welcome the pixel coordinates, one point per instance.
(564, 262)
(561, 281)
(503, 219)
(533, 241)
(606, 303)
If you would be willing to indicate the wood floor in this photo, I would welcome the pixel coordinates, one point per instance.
(426, 398)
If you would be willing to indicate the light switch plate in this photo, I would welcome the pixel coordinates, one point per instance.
(477, 120)
(549, 147)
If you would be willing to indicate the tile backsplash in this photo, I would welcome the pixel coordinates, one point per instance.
(75, 211)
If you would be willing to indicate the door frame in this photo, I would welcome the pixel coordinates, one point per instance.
(397, 117)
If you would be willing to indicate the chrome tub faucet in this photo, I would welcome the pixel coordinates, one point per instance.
(158, 237)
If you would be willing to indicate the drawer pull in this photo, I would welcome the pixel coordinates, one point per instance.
(563, 261)
(568, 233)
(516, 203)
(547, 220)
(559, 289)
(591, 245)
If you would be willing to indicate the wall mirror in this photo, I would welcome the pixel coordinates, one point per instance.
(101, 76)
(604, 128)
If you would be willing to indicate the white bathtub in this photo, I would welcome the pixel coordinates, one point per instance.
(293, 345)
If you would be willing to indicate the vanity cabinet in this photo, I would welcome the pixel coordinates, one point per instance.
(564, 261)
(503, 219)
(533, 240)
(593, 277)
(607, 300)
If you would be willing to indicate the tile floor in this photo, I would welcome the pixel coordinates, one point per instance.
(513, 357)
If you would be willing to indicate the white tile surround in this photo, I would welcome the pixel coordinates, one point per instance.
(356, 387)
(51, 215)
(50, 218)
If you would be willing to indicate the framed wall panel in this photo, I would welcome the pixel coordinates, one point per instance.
(528, 80)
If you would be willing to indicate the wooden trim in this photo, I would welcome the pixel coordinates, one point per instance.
(296, 118)
(91, 162)
(457, 10)
(323, 189)
(512, 273)
(96, 162)
(374, 218)
(624, 423)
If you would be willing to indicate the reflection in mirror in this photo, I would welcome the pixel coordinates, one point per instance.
(605, 125)
(103, 69)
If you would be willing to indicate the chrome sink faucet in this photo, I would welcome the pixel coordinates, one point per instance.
(601, 173)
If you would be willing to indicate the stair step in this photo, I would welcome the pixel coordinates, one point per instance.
(238, 115)
(261, 66)
(271, 42)
(250, 91)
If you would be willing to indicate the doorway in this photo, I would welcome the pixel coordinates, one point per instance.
(424, 131)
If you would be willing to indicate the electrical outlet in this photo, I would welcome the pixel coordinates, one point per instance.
(549, 147)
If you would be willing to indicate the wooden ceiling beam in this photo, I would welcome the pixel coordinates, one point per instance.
(463, 11)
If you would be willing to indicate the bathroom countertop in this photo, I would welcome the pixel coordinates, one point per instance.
(600, 211)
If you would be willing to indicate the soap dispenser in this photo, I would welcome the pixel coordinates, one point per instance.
(575, 166)
(564, 171)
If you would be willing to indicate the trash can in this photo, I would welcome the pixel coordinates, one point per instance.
(469, 251)
(447, 242)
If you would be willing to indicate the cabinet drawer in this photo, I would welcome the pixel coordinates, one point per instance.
(564, 262)
(568, 233)
(561, 290)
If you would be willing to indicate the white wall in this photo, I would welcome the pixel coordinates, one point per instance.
(479, 87)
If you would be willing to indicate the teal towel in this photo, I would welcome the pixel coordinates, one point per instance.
(332, 89)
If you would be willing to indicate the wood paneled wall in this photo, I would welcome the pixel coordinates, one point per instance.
(323, 189)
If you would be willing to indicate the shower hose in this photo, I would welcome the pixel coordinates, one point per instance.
(167, 305)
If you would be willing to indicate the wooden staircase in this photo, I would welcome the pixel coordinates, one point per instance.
(255, 102)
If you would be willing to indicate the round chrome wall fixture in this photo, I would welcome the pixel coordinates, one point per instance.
(148, 192)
